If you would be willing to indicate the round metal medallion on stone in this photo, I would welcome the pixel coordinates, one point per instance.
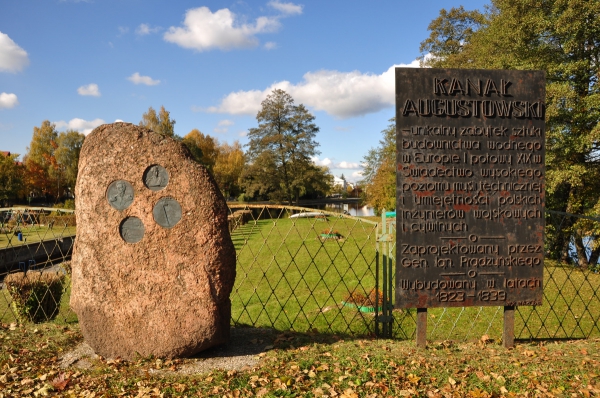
(156, 177)
(167, 212)
(120, 194)
(132, 230)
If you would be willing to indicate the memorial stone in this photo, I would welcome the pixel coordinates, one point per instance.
(153, 264)
(470, 187)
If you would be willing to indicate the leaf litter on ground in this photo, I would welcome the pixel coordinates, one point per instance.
(310, 364)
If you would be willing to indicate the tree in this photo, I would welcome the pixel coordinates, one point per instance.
(229, 165)
(561, 37)
(40, 163)
(160, 123)
(11, 177)
(204, 148)
(67, 157)
(280, 149)
(380, 172)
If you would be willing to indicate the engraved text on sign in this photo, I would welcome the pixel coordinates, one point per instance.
(470, 187)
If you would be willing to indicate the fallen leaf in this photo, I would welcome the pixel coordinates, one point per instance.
(349, 393)
(60, 383)
(44, 391)
(414, 379)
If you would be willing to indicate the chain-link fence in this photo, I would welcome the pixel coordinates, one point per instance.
(35, 250)
(312, 270)
(304, 270)
(571, 300)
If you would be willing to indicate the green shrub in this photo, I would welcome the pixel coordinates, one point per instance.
(35, 296)
(66, 266)
(61, 220)
(68, 204)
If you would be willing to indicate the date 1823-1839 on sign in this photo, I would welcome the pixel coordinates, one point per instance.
(483, 295)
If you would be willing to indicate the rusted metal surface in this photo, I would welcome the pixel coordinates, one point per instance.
(470, 187)
(508, 331)
(421, 327)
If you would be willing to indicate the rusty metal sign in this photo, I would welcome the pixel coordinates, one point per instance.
(470, 187)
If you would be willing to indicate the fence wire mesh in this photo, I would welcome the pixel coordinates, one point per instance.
(306, 270)
(571, 301)
(303, 270)
(35, 250)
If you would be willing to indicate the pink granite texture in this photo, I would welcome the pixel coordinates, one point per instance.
(168, 294)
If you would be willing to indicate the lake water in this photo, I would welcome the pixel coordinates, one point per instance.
(354, 209)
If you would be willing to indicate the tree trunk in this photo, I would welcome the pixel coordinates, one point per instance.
(582, 259)
(595, 254)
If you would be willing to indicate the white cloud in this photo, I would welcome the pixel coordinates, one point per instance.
(347, 165)
(136, 78)
(356, 175)
(83, 126)
(325, 162)
(12, 57)
(90, 89)
(270, 45)
(145, 29)
(243, 133)
(8, 100)
(123, 30)
(204, 30)
(286, 8)
(340, 94)
(223, 126)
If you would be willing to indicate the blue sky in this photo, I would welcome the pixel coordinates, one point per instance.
(81, 63)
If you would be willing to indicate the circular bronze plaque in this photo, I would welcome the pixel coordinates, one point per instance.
(156, 177)
(167, 212)
(120, 194)
(132, 230)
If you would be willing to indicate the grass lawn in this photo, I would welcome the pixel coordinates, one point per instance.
(289, 277)
(306, 365)
(34, 233)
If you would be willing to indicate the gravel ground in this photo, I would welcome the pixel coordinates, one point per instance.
(242, 352)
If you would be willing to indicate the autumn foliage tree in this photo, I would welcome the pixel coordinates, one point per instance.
(11, 178)
(228, 169)
(66, 154)
(204, 148)
(160, 122)
(51, 162)
(224, 161)
(380, 172)
(40, 161)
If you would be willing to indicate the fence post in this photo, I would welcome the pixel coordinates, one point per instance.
(386, 317)
(508, 331)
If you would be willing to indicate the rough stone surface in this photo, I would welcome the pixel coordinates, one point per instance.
(167, 294)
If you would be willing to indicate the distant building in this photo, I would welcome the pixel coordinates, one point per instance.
(7, 153)
(338, 182)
